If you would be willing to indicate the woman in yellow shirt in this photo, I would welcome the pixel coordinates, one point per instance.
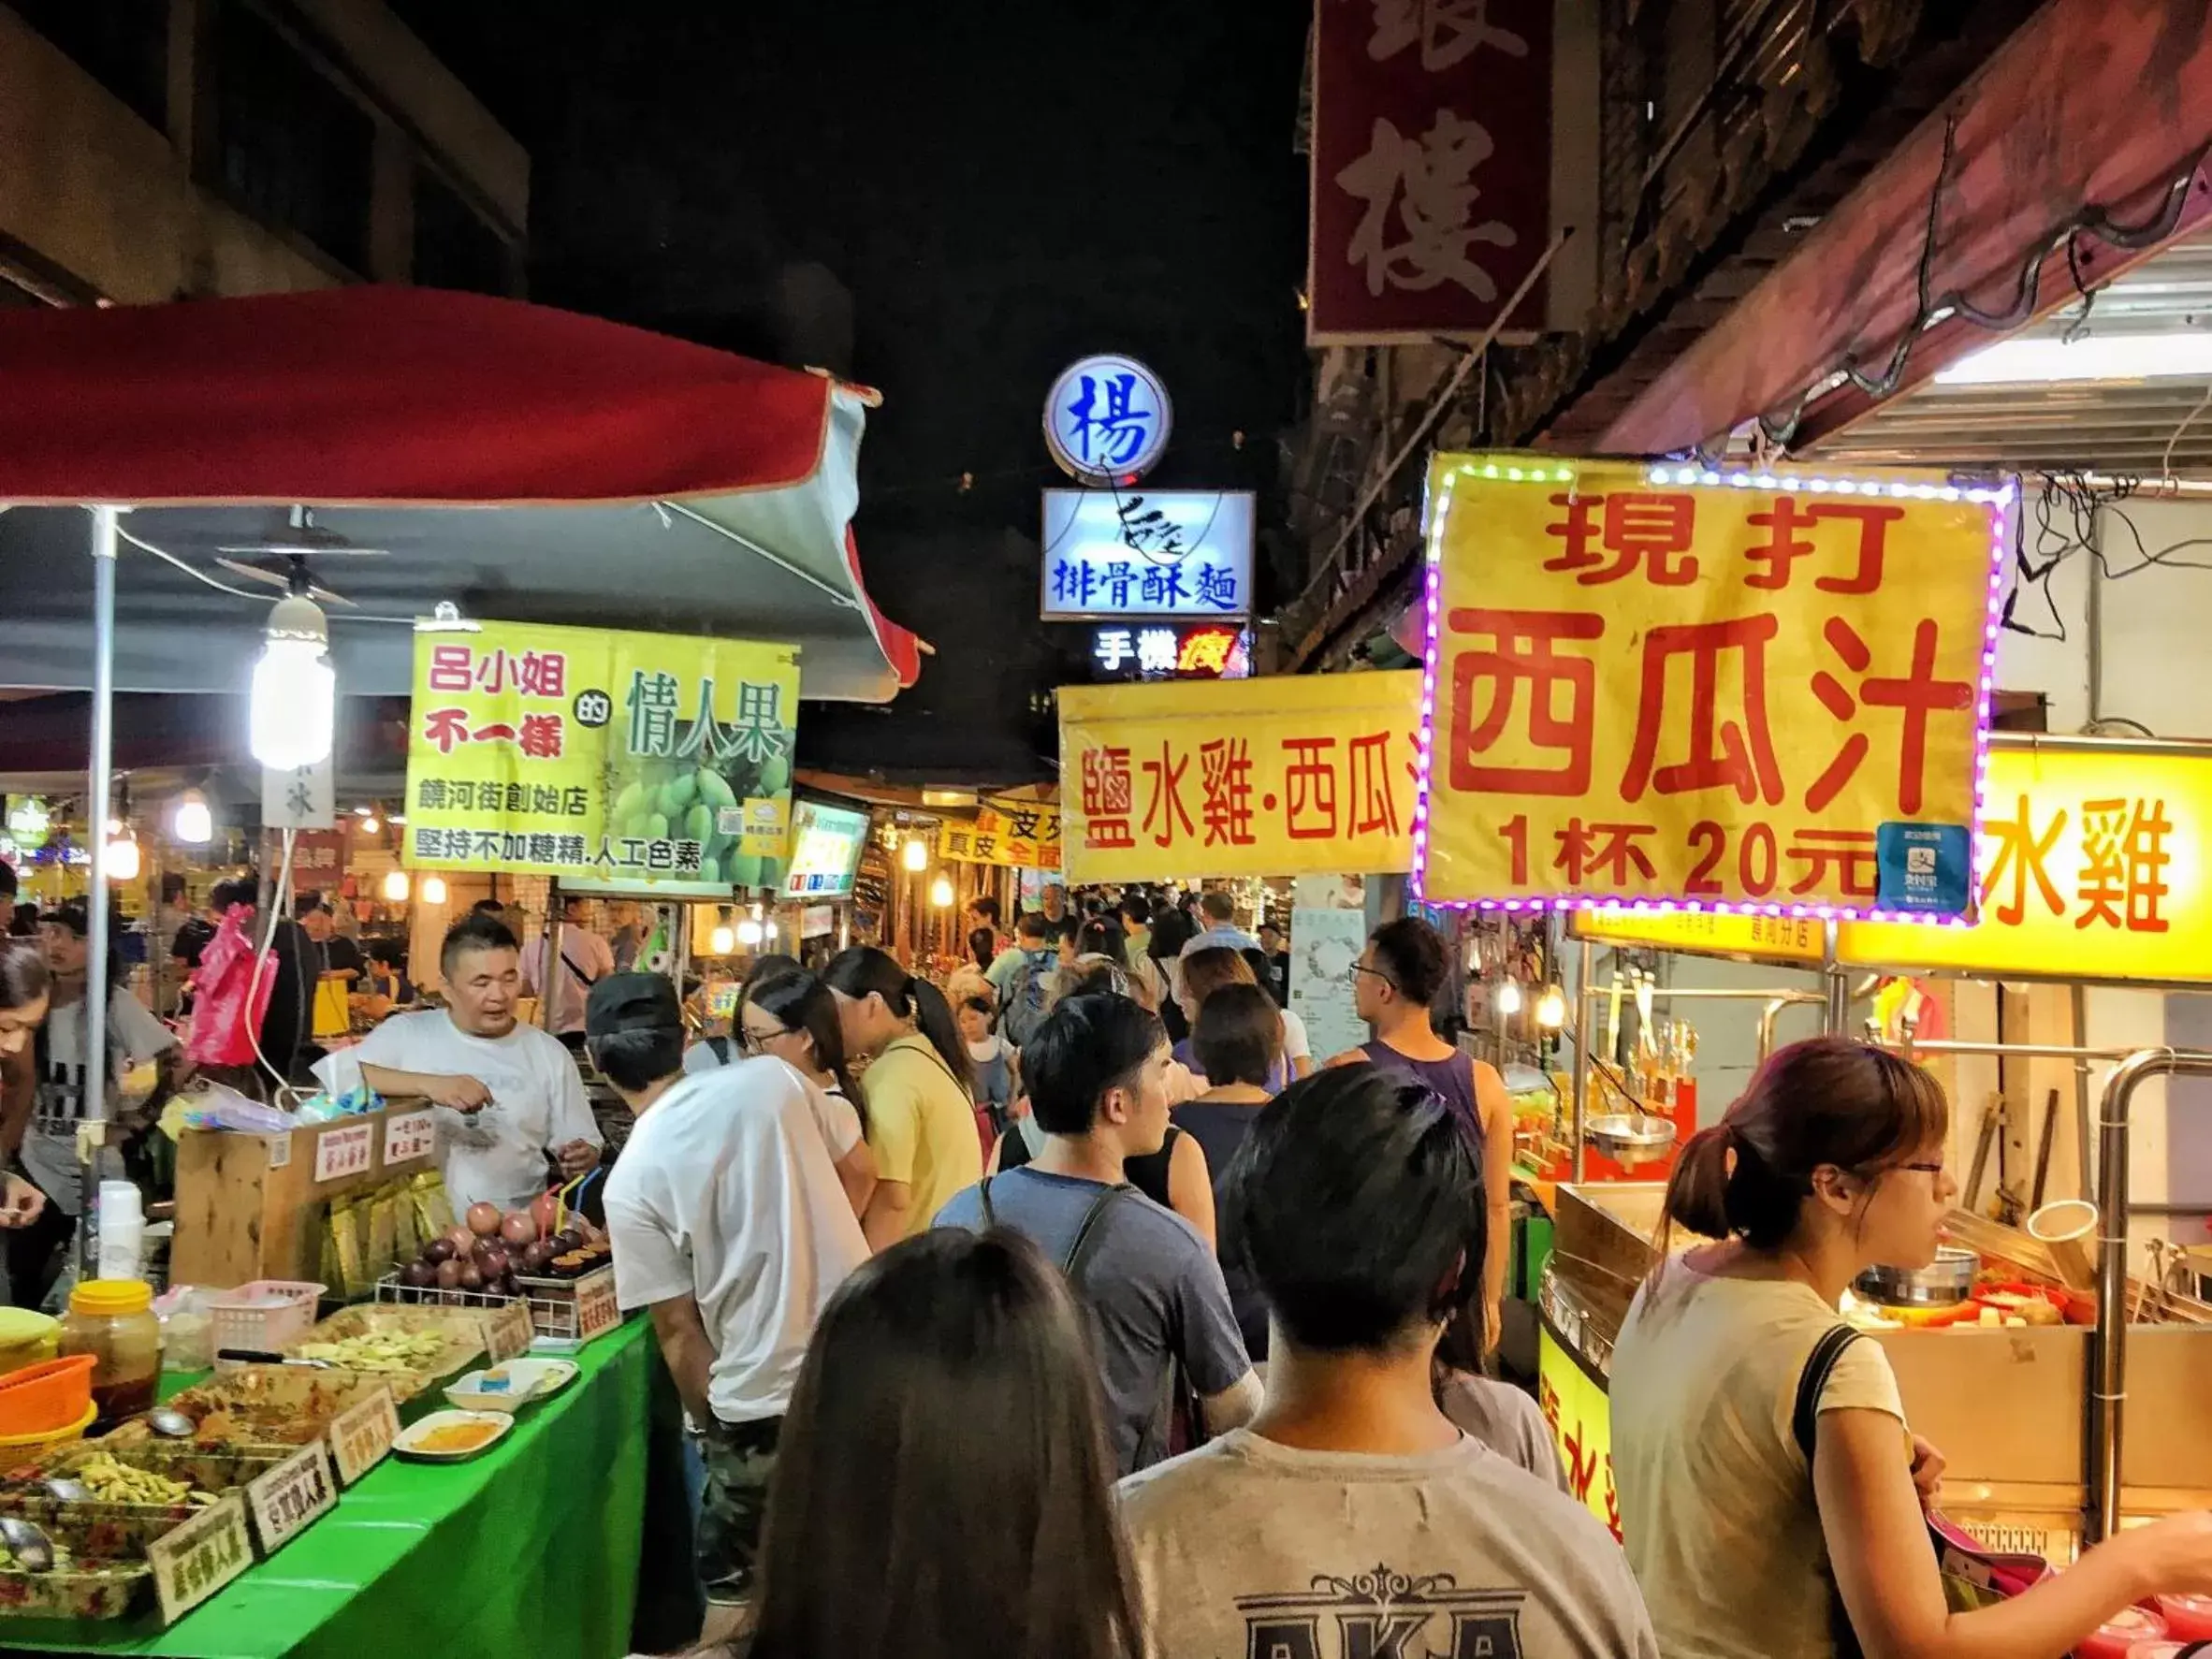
(920, 1095)
(1741, 1542)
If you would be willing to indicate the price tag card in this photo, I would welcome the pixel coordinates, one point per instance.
(193, 1561)
(508, 1331)
(596, 1309)
(360, 1435)
(344, 1149)
(290, 1495)
(409, 1135)
(279, 1150)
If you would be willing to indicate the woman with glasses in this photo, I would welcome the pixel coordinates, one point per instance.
(1770, 1491)
(793, 1017)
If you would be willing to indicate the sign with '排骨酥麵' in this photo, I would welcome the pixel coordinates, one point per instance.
(646, 760)
(1660, 684)
(1290, 776)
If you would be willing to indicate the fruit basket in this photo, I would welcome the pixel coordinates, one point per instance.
(557, 1306)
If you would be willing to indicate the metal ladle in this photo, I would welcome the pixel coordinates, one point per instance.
(67, 1491)
(32, 1548)
(169, 1421)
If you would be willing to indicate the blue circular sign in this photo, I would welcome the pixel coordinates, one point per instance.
(1106, 419)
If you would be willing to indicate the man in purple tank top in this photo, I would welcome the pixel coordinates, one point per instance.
(1393, 984)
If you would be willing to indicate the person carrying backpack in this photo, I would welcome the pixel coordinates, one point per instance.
(1097, 1072)
(1022, 982)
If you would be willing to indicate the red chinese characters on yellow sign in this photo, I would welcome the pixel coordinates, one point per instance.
(1299, 774)
(1650, 687)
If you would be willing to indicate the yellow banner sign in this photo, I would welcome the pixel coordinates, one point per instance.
(1299, 774)
(1582, 1420)
(2091, 867)
(1005, 830)
(1794, 938)
(1657, 683)
(644, 760)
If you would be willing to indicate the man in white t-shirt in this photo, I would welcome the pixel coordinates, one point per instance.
(729, 1223)
(1352, 1503)
(509, 1096)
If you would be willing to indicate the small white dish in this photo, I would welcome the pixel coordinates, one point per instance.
(413, 1439)
(526, 1379)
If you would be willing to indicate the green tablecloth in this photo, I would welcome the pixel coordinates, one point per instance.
(529, 1550)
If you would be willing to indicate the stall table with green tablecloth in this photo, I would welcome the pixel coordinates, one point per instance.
(531, 1548)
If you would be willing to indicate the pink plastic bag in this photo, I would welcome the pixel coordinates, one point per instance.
(223, 1027)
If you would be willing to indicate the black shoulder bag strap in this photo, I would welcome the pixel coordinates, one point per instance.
(1079, 1249)
(1804, 1427)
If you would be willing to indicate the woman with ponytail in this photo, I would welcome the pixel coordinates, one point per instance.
(921, 1117)
(1770, 1494)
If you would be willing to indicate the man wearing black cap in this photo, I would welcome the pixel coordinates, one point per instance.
(729, 1223)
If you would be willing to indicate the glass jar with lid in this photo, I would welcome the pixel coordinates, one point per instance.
(113, 1320)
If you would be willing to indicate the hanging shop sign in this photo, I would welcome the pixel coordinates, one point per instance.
(2091, 867)
(1582, 1421)
(1707, 933)
(1005, 830)
(1106, 419)
(1290, 776)
(1169, 650)
(1147, 553)
(1657, 684)
(318, 861)
(1439, 174)
(627, 761)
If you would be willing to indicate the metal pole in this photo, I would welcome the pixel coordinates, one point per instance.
(1581, 1085)
(2108, 1342)
(98, 784)
(1836, 984)
(549, 965)
(2081, 1085)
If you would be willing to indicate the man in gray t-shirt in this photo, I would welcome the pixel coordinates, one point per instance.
(1353, 1515)
(1153, 1289)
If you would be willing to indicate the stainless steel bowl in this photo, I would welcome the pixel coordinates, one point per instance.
(1629, 1140)
(1946, 1282)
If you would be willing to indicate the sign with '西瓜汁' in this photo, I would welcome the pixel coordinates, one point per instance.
(1296, 774)
(1746, 691)
(646, 760)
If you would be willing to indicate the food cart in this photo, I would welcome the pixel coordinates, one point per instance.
(2030, 1417)
(397, 451)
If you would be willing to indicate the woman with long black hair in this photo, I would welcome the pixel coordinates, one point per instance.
(919, 1091)
(887, 1534)
(793, 1017)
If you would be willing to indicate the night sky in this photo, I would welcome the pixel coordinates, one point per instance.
(948, 203)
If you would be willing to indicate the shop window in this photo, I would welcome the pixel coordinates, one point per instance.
(291, 148)
(122, 44)
(454, 248)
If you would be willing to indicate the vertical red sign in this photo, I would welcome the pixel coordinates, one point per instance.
(1432, 166)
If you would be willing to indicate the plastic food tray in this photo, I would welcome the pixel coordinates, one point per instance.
(463, 1328)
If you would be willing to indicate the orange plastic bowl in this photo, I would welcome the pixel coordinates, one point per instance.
(47, 1398)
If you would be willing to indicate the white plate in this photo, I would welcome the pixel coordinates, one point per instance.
(410, 1441)
(531, 1380)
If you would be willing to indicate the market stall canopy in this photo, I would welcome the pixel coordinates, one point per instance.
(521, 462)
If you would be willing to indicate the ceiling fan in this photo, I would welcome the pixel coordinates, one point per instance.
(281, 560)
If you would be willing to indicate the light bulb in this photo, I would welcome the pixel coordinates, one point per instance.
(395, 887)
(917, 854)
(433, 890)
(722, 941)
(370, 825)
(940, 893)
(191, 824)
(122, 853)
(1509, 997)
(294, 696)
(749, 932)
(1551, 1008)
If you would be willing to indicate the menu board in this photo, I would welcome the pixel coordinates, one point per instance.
(825, 847)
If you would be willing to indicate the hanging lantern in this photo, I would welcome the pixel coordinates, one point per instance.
(295, 693)
(395, 887)
(433, 890)
(121, 860)
(191, 824)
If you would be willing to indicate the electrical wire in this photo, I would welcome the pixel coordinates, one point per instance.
(2066, 514)
(221, 587)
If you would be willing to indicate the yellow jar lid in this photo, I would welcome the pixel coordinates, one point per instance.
(110, 1297)
(20, 1325)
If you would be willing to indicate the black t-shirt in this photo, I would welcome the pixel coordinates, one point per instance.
(341, 955)
(193, 936)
